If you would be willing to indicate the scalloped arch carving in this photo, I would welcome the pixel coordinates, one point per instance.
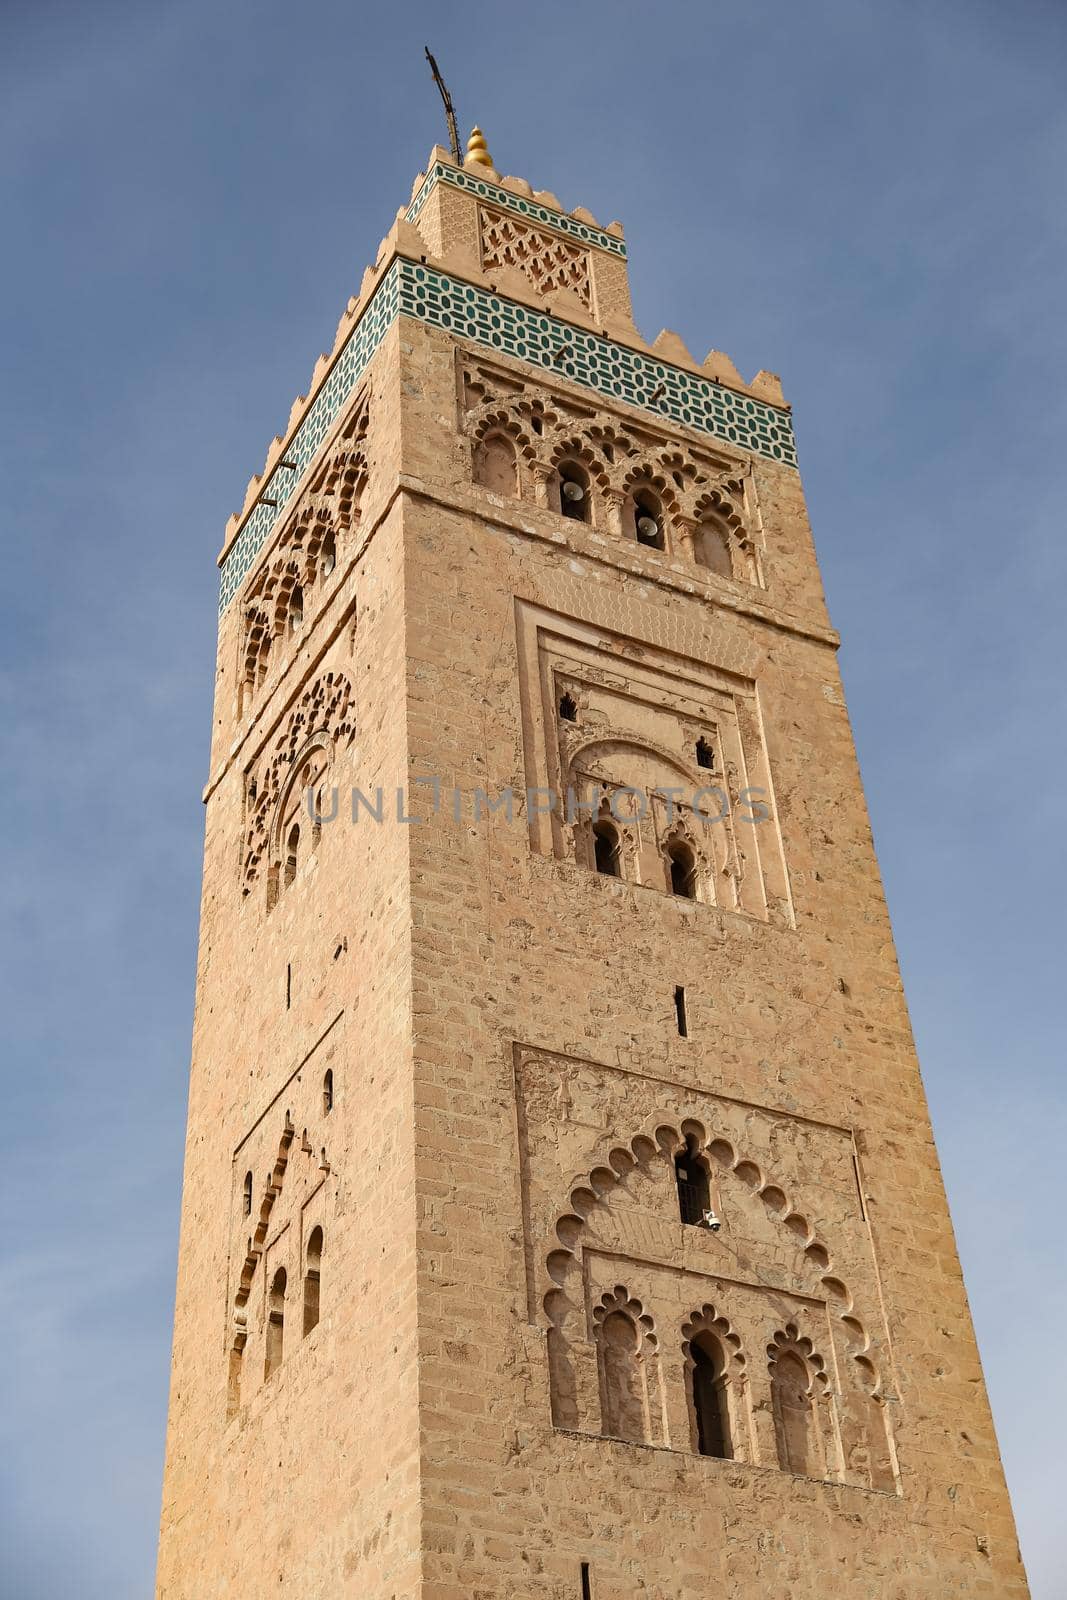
(851, 1439)
(322, 720)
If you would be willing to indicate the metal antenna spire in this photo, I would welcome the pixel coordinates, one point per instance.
(450, 114)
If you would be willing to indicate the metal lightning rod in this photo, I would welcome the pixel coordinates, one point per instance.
(450, 115)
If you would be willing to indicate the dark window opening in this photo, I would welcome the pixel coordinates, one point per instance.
(694, 1190)
(683, 871)
(568, 708)
(574, 492)
(292, 849)
(680, 1012)
(587, 1586)
(648, 520)
(312, 1276)
(705, 754)
(248, 1194)
(288, 984)
(272, 1358)
(607, 850)
(709, 1399)
(327, 1092)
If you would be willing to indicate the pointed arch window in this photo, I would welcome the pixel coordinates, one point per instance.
(312, 1279)
(495, 465)
(648, 520)
(607, 849)
(328, 554)
(327, 1092)
(682, 867)
(711, 547)
(292, 852)
(708, 1396)
(798, 1385)
(275, 1341)
(296, 609)
(693, 1184)
(247, 1194)
(572, 486)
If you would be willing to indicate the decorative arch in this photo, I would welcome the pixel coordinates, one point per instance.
(802, 1406)
(865, 1448)
(512, 421)
(627, 1368)
(255, 655)
(495, 462)
(256, 1240)
(720, 1417)
(323, 719)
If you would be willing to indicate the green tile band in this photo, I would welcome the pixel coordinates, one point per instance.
(611, 370)
(532, 210)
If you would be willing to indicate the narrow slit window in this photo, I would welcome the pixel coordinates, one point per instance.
(587, 1582)
(680, 1012)
(288, 984)
(248, 1194)
(327, 1092)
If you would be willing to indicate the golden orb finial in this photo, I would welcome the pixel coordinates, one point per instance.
(477, 150)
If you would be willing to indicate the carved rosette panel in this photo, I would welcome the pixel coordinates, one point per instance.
(545, 260)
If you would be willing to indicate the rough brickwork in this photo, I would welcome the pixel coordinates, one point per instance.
(557, 1043)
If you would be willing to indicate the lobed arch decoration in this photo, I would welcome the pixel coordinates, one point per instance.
(599, 762)
(707, 1333)
(321, 724)
(862, 1448)
(281, 1290)
(803, 1407)
(256, 1240)
(631, 1395)
(304, 558)
(707, 509)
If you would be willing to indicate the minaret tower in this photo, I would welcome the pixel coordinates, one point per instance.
(561, 1213)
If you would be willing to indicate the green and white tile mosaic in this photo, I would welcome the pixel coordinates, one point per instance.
(441, 172)
(303, 446)
(608, 369)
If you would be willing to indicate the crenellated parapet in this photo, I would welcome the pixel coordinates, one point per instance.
(492, 261)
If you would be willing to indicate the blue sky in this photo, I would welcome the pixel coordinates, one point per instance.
(863, 195)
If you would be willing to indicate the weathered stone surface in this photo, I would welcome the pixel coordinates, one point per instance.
(451, 1050)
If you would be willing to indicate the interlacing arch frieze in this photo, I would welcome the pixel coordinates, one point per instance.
(322, 722)
(837, 1431)
(707, 513)
(290, 586)
(545, 259)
